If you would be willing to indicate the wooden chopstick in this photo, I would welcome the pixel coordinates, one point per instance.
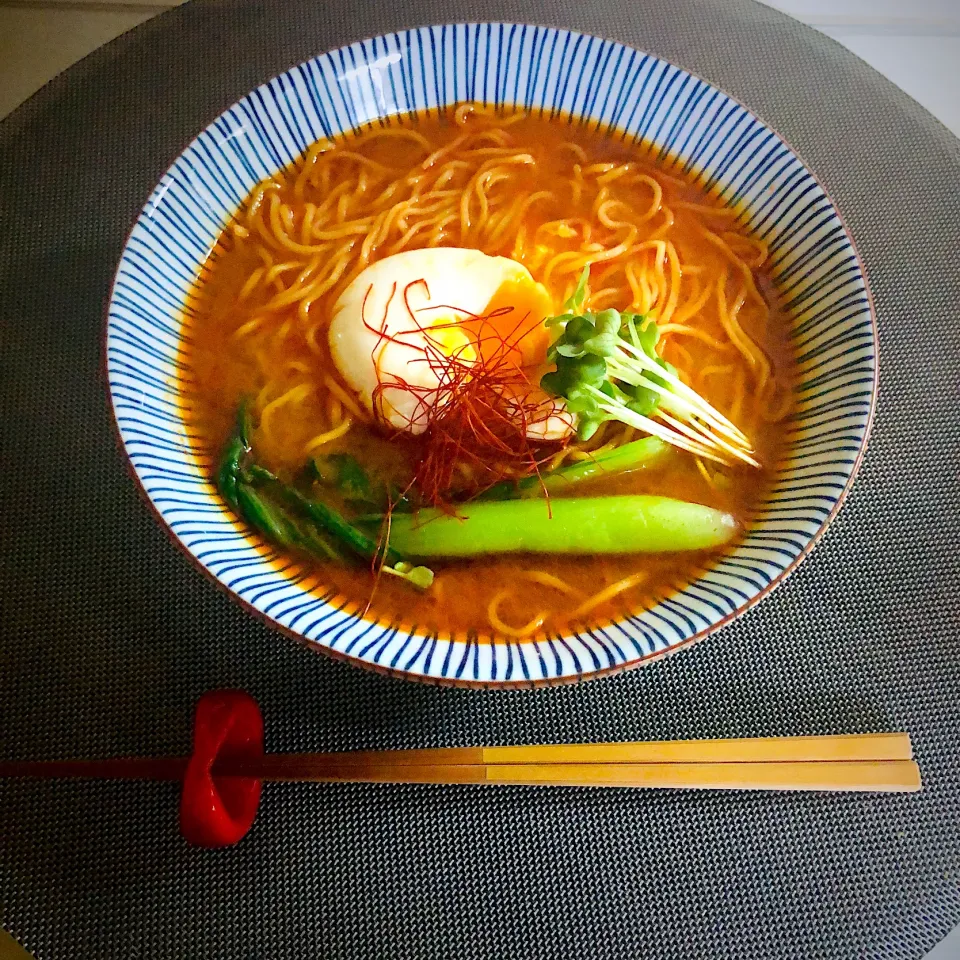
(885, 776)
(875, 762)
(853, 746)
(866, 746)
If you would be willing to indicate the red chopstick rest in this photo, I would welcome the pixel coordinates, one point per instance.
(218, 811)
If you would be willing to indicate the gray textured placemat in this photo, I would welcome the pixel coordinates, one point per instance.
(108, 634)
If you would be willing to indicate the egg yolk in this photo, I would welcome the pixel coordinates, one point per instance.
(511, 328)
(447, 335)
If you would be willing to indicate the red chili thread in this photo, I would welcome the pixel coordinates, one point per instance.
(479, 411)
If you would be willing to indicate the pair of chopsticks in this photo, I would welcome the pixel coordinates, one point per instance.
(880, 762)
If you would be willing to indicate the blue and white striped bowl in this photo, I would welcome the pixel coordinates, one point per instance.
(613, 88)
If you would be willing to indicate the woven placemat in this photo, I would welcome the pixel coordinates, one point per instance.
(108, 635)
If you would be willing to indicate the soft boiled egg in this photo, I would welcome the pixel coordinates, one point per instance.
(405, 312)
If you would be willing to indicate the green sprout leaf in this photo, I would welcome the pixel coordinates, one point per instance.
(419, 577)
(607, 368)
(580, 352)
(604, 342)
(576, 301)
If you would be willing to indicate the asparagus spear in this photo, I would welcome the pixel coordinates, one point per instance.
(630, 456)
(288, 518)
(625, 524)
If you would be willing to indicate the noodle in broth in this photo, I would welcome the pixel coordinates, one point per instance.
(555, 197)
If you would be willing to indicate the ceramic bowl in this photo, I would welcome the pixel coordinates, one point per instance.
(600, 83)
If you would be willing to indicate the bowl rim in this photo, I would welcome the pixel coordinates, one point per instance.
(497, 684)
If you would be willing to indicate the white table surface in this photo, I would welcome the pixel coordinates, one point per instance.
(916, 43)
